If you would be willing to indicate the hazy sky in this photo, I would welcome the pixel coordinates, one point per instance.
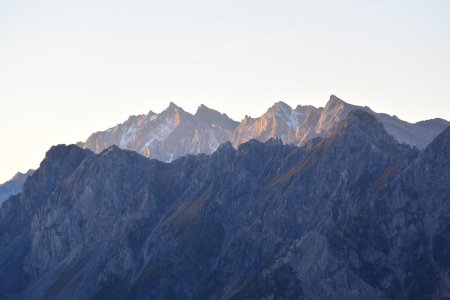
(69, 68)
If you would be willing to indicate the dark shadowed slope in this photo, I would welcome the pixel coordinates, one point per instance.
(354, 215)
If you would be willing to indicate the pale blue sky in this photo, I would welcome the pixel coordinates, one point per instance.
(69, 68)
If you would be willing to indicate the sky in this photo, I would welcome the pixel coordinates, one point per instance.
(69, 68)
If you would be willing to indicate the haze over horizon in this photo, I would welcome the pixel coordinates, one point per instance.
(70, 69)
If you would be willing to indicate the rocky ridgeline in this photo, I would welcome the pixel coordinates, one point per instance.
(351, 215)
(174, 133)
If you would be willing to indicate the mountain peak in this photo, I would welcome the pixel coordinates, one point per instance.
(280, 106)
(173, 107)
(62, 156)
(334, 111)
(334, 101)
(203, 109)
(361, 128)
(247, 120)
(212, 116)
(61, 150)
(203, 106)
(59, 162)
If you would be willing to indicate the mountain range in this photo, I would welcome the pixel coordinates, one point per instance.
(174, 132)
(351, 214)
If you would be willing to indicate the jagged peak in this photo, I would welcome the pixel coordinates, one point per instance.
(334, 101)
(63, 149)
(133, 118)
(280, 106)
(203, 109)
(63, 153)
(173, 107)
(59, 162)
(305, 107)
(212, 116)
(173, 111)
(247, 119)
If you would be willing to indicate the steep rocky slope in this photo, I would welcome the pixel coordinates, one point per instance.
(353, 215)
(168, 135)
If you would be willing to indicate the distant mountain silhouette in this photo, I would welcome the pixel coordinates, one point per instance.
(14, 185)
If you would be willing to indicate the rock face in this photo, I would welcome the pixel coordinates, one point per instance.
(353, 215)
(17, 214)
(175, 133)
(14, 185)
(168, 135)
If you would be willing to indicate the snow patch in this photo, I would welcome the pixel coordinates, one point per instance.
(129, 133)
